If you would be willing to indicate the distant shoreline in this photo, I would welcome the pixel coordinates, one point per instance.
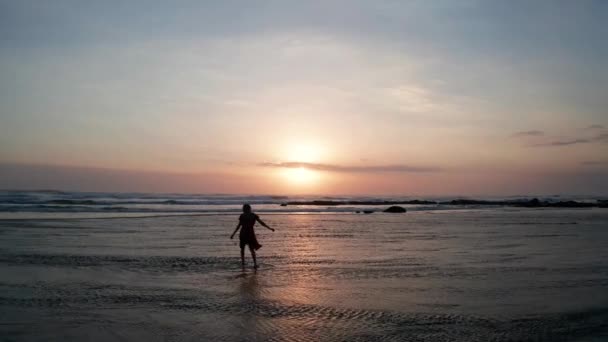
(533, 203)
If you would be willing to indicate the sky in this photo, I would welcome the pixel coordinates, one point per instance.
(305, 97)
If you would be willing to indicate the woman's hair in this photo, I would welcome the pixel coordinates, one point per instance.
(246, 208)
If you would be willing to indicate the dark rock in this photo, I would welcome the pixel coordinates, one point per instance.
(317, 202)
(533, 203)
(468, 202)
(283, 204)
(377, 202)
(395, 209)
(571, 204)
(419, 202)
(368, 211)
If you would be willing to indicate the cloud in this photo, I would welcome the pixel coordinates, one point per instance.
(596, 127)
(598, 138)
(532, 133)
(595, 163)
(564, 142)
(350, 168)
(78, 178)
(601, 138)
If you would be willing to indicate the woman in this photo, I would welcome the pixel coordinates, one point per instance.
(247, 236)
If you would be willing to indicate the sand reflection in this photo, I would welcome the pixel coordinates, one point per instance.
(249, 297)
(249, 288)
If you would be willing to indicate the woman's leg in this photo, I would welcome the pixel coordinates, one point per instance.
(255, 264)
(243, 256)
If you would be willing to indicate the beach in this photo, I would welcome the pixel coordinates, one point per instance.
(428, 171)
(465, 274)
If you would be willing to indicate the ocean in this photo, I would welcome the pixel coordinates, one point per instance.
(156, 267)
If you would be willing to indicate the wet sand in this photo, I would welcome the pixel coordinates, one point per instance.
(457, 275)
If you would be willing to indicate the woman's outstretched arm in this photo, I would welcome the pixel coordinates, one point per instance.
(264, 223)
(238, 226)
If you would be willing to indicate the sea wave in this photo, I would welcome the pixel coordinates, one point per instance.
(78, 202)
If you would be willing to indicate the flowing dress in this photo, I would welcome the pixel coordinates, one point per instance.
(247, 235)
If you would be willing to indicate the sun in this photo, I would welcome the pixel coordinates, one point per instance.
(300, 175)
(302, 152)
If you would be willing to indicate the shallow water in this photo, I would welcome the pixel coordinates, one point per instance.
(500, 274)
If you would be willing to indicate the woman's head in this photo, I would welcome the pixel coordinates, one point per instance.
(246, 208)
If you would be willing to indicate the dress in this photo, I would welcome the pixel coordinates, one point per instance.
(247, 235)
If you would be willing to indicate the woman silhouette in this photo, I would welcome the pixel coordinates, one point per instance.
(247, 236)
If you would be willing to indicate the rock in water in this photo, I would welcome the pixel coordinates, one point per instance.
(395, 209)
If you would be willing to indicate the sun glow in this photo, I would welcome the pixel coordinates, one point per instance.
(300, 175)
(303, 152)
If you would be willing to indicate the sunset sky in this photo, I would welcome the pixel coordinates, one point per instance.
(305, 97)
